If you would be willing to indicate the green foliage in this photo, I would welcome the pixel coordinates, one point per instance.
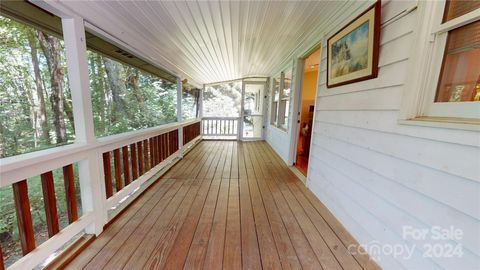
(134, 100)
(190, 98)
(223, 100)
(8, 223)
(33, 78)
(19, 106)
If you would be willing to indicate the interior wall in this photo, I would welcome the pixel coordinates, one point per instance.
(378, 176)
(309, 88)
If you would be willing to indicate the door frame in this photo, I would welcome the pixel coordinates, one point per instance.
(242, 106)
(296, 112)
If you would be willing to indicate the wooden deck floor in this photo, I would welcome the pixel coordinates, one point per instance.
(225, 205)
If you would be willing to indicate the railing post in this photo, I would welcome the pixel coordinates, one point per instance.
(91, 184)
(179, 115)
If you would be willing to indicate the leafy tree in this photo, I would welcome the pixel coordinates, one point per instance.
(223, 100)
(36, 111)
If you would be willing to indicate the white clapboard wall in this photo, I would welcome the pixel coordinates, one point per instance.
(377, 175)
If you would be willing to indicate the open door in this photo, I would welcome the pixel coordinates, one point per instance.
(306, 110)
(253, 110)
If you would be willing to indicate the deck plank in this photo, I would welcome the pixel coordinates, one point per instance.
(207, 161)
(225, 205)
(150, 197)
(346, 239)
(317, 242)
(180, 167)
(303, 248)
(184, 220)
(214, 255)
(285, 249)
(250, 250)
(268, 249)
(129, 237)
(148, 239)
(234, 168)
(198, 247)
(232, 253)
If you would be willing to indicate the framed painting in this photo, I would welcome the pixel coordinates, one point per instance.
(352, 52)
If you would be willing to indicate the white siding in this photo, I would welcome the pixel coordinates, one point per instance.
(377, 175)
(279, 139)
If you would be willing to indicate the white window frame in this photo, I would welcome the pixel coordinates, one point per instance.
(275, 104)
(283, 121)
(418, 106)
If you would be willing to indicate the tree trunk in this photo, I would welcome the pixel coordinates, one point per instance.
(33, 114)
(22, 96)
(51, 48)
(134, 82)
(116, 81)
(69, 112)
(42, 111)
(102, 87)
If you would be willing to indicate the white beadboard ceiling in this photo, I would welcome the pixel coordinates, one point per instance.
(210, 41)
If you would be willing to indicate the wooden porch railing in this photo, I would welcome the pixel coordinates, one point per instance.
(109, 170)
(140, 156)
(220, 126)
(191, 132)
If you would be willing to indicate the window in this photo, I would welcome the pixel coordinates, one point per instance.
(125, 98)
(459, 78)
(190, 97)
(222, 100)
(275, 99)
(281, 92)
(35, 101)
(449, 67)
(284, 108)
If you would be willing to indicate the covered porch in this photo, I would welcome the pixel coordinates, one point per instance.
(230, 205)
(240, 134)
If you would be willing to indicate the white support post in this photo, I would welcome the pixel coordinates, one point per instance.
(91, 184)
(281, 109)
(200, 108)
(179, 115)
(242, 106)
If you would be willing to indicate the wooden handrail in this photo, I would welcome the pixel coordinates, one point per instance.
(220, 118)
(16, 168)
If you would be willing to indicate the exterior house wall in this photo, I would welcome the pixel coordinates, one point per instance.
(278, 138)
(377, 175)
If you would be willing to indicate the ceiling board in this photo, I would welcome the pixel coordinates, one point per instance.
(209, 41)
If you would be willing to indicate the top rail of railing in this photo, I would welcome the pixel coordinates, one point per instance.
(17, 168)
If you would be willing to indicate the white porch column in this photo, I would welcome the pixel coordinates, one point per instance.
(179, 114)
(200, 108)
(240, 120)
(200, 102)
(281, 109)
(90, 173)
